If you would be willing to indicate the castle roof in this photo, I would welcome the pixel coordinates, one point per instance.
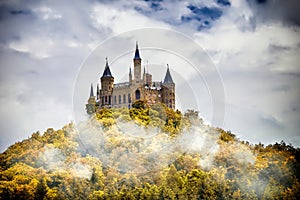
(92, 90)
(137, 52)
(107, 72)
(168, 77)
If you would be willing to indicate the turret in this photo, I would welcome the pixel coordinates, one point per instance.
(169, 90)
(98, 92)
(91, 105)
(137, 64)
(144, 76)
(107, 84)
(130, 75)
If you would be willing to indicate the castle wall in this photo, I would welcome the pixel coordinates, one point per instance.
(138, 88)
(122, 95)
(168, 95)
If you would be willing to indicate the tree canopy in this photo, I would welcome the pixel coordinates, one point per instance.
(116, 154)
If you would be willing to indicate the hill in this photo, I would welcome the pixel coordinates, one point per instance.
(147, 153)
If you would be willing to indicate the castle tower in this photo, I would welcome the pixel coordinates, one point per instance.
(98, 92)
(137, 64)
(130, 75)
(169, 90)
(107, 86)
(91, 105)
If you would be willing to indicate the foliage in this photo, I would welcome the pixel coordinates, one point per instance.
(54, 165)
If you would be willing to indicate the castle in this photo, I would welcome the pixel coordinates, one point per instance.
(138, 87)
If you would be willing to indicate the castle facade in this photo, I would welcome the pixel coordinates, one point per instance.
(139, 87)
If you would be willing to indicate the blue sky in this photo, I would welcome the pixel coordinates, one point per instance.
(254, 44)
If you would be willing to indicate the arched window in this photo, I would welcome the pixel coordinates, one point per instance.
(115, 99)
(120, 100)
(124, 98)
(129, 99)
(137, 94)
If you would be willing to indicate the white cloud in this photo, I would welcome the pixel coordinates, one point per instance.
(43, 47)
(120, 21)
(47, 13)
(258, 66)
(37, 47)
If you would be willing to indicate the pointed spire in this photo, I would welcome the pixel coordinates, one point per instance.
(106, 72)
(98, 91)
(137, 53)
(147, 67)
(92, 90)
(168, 77)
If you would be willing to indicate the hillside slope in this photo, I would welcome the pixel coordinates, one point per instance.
(147, 153)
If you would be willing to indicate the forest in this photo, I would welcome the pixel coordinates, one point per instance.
(147, 153)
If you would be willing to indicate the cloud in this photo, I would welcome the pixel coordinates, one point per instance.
(53, 160)
(271, 11)
(254, 64)
(43, 44)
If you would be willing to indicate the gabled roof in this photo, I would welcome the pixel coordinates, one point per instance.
(107, 72)
(168, 77)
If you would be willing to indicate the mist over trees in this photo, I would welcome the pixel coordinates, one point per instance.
(147, 153)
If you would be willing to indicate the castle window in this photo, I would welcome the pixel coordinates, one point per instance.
(109, 99)
(115, 99)
(129, 99)
(137, 94)
(120, 100)
(124, 98)
(105, 99)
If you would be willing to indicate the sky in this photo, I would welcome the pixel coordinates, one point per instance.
(252, 49)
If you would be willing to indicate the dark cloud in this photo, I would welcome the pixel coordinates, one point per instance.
(202, 15)
(155, 4)
(271, 10)
(224, 2)
(278, 48)
(261, 1)
(20, 12)
(205, 12)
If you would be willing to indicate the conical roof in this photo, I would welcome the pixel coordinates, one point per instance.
(92, 90)
(107, 72)
(168, 77)
(137, 53)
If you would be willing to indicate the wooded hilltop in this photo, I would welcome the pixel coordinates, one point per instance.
(147, 153)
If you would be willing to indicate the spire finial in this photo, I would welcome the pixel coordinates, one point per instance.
(167, 66)
(136, 45)
(106, 60)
